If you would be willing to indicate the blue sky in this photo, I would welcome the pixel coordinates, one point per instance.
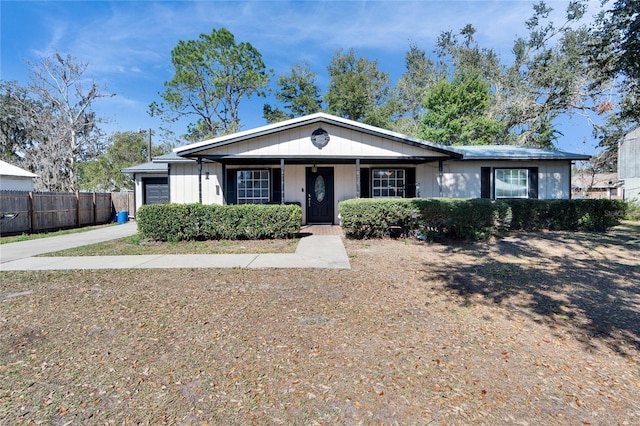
(128, 44)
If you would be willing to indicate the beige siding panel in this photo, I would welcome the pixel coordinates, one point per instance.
(184, 183)
(297, 142)
(344, 186)
(427, 178)
(632, 189)
(212, 187)
(16, 183)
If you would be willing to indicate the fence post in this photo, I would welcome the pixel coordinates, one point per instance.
(77, 209)
(32, 213)
(95, 215)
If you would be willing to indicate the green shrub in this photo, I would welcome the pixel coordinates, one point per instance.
(633, 210)
(435, 219)
(473, 219)
(374, 218)
(176, 222)
(566, 215)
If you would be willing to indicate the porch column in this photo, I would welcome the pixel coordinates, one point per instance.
(199, 161)
(358, 178)
(282, 181)
(440, 173)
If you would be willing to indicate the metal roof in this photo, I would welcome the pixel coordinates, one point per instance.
(510, 152)
(7, 169)
(172, 157)
(149, 167)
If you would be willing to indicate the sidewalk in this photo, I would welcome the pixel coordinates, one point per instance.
(315, 251)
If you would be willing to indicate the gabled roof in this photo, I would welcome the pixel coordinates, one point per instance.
(510, 152)
(7, 169)
(596, 181)
(319, 117)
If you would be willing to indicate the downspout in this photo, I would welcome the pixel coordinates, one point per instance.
(199, 161)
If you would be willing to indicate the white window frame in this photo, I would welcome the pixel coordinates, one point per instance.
(511, 179)
(388, 183)
(253, 186)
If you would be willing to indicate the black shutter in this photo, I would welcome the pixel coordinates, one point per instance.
(365, 183)
(533, 182)
(485, 182)
(410, 183)
(231, 184)
(276, 185)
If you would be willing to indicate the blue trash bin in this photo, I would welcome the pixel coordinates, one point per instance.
(123, 217)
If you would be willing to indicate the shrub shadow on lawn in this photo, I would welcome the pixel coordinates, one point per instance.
(581, 283)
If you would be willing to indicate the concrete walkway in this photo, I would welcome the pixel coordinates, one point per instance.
(315, 251)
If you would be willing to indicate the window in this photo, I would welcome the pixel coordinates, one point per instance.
(388, 182)
(512, 183)
(253, 186)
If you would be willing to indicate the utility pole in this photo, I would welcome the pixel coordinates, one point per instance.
(149, 150)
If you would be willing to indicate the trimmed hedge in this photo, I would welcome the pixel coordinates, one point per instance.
(473, 219)
(176, 222)
(456, 219)
(566, 215)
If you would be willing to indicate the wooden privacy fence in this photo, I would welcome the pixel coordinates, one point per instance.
(123, 202)
(23, 211)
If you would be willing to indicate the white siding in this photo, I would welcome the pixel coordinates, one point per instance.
(461, 179)
(343, 142)
(344, 186)
(632, 189)
(629, 156)
(212, 191)
(294, 186)
(183, 183)
(16, 183)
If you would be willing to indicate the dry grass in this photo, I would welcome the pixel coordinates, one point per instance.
(537, 329)
(136, 245)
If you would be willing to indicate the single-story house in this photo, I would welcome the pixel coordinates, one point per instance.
(319, 160)
(629, 164)
(13, 178)
(597, 185)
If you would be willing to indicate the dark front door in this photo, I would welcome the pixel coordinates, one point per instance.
(320, 195)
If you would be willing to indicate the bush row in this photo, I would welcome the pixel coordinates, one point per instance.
(176, 222)
(473, 219)
(566, 215)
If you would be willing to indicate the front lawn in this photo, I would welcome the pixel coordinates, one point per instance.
(135, 245)
(540, 328)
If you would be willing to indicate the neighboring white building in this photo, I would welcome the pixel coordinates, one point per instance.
(319, 160)
(14, 178)
(629, 164)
